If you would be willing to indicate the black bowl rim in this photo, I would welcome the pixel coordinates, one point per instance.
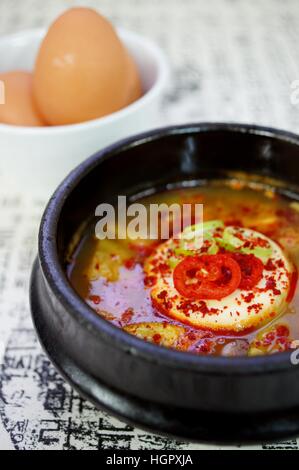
(103, 329)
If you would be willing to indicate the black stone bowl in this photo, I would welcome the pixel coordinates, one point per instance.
(215, 399)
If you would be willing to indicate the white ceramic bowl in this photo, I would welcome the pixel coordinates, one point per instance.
(41, 157)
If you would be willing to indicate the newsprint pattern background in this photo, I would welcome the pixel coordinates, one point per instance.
(232, 61)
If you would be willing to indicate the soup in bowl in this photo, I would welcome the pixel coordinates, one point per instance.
(235, 294)
(187, 325)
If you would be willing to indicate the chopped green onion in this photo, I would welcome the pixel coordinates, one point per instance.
(260, 252)
(230, 239)
(191, 232)
(173, 262)
(227, 246)
(212, 225)
(213, 249)
(182, 251)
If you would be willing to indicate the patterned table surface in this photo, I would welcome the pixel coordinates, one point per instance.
(231, 61)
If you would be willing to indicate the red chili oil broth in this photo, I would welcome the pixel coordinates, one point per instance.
(121, 297)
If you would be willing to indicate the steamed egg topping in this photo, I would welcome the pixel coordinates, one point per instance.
(231, 280)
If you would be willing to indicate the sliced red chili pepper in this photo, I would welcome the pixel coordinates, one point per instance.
(207, 276)
(251, 269)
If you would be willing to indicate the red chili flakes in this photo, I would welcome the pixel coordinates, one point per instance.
(186, 305)
(269, 338)
(255, 307)
(269, 266)
(127, 315)
(162, 294)
(155, 261)
(96, 299)
(157, 338)
(203, 308)
(162, 305)
(249, 297)
(282, 330)
(191, 336)
(240, 236)
(149, 281)
(162, 268)
(251, 244)
(261, 242)
(277, 339)
(200, 307)
(205, 346)
(271, 285)
(213, 311)
(283, 343)
(130, 263)
(168, 305)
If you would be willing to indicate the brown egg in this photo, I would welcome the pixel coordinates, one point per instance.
(19, 108)
(134, 82)
(81, 69)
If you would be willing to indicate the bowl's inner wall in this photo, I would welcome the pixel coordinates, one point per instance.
(171, 158)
